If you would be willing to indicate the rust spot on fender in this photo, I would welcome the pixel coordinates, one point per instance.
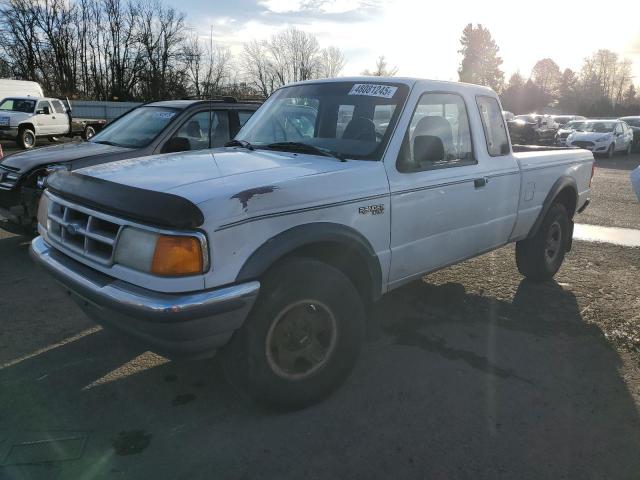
(247, 195)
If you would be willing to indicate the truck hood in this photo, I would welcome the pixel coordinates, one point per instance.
(587, 136)
(234, 184)
(67, 152)
(172, 172)
(15, 117)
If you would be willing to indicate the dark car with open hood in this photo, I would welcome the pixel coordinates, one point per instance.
(153, 128)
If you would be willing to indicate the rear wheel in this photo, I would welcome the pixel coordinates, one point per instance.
(302, 338)
(88, 133)
(540, 257)
(26, 138)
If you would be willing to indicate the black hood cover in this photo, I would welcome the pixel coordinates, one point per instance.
(137, 204)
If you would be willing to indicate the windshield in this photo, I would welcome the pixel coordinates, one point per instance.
(597, 127)
(136, 129)
(573, 126)
(634, 122)
(18, 105)
(352, 120)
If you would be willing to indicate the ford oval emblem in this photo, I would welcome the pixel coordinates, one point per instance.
(72, 229)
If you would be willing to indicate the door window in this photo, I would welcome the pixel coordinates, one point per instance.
(495, 132)
(438, 135)
(41, 106)
(196, 129)
(58, 107)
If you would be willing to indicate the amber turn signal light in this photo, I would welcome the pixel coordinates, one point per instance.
(176, 256)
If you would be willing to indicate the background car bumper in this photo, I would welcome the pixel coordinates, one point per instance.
(176, 325)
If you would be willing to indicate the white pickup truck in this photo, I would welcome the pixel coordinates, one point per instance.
(25, 119)
(271, 248)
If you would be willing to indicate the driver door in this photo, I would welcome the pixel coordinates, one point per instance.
(45, 123)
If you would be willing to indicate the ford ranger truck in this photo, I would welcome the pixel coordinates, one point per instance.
(270, 249)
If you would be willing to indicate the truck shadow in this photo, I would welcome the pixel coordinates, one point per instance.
(456, 385)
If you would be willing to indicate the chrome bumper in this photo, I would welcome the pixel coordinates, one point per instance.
(176, 325)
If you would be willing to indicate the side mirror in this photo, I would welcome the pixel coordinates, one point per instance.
(40, 112)
(177, 144)
(46, 111)
(428, 148)
(504, 149)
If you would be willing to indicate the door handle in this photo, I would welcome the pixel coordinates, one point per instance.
(480, 182)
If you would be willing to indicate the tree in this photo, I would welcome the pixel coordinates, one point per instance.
(480, 61)
(546, 75)
(257, 67)
(382, 69)
(331, 62)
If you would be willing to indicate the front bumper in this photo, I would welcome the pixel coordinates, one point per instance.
(189, 325)
(8, 133)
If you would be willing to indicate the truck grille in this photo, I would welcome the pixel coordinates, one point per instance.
(83, 231)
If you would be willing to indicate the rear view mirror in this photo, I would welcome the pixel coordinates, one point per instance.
(428, 148)
(177, 144)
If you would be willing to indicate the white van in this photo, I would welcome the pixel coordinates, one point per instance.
(20, 88)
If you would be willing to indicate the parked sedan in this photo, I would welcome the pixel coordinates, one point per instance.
(160, 127)
(634, 125)
(565, 130)
(602, 137)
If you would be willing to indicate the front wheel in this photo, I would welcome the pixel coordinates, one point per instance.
(611, 151)
(302, 338)
(540, 257)
(26, 138)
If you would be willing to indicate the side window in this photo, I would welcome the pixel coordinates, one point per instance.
(495, 132)
(345, 114)
(42, 104)
(196, 130)
(243, 116)
(619, 128)
(438, 135)
(58, 107)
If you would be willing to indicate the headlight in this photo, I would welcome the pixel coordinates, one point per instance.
(163, 255)
(41, 181)
(43, 210)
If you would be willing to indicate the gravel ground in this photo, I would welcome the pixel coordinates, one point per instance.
(469, 373)
(613, 201)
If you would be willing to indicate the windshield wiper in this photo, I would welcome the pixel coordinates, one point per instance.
(305, 147)
(239, 143)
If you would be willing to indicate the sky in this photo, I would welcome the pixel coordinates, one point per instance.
(422, 38)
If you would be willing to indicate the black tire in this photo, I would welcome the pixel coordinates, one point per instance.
(294, 295)
(88, 132)
(611, 151)
(540, 257)
(26, 138)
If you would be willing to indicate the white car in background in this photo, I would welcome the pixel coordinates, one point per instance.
(602, 137)
(565, 130)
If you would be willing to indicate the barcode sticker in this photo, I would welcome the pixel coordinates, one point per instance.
(372, 90)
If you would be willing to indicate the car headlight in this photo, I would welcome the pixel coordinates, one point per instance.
(159, 254)
(43, 210)
(41, 180)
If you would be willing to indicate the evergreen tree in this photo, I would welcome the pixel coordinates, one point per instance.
(480, 61)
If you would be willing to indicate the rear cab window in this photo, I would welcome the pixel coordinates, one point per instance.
(495, 132)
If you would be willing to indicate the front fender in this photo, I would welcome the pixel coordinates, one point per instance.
(300, 236)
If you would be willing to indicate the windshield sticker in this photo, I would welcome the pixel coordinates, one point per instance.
(371, 90)
(165, 115)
